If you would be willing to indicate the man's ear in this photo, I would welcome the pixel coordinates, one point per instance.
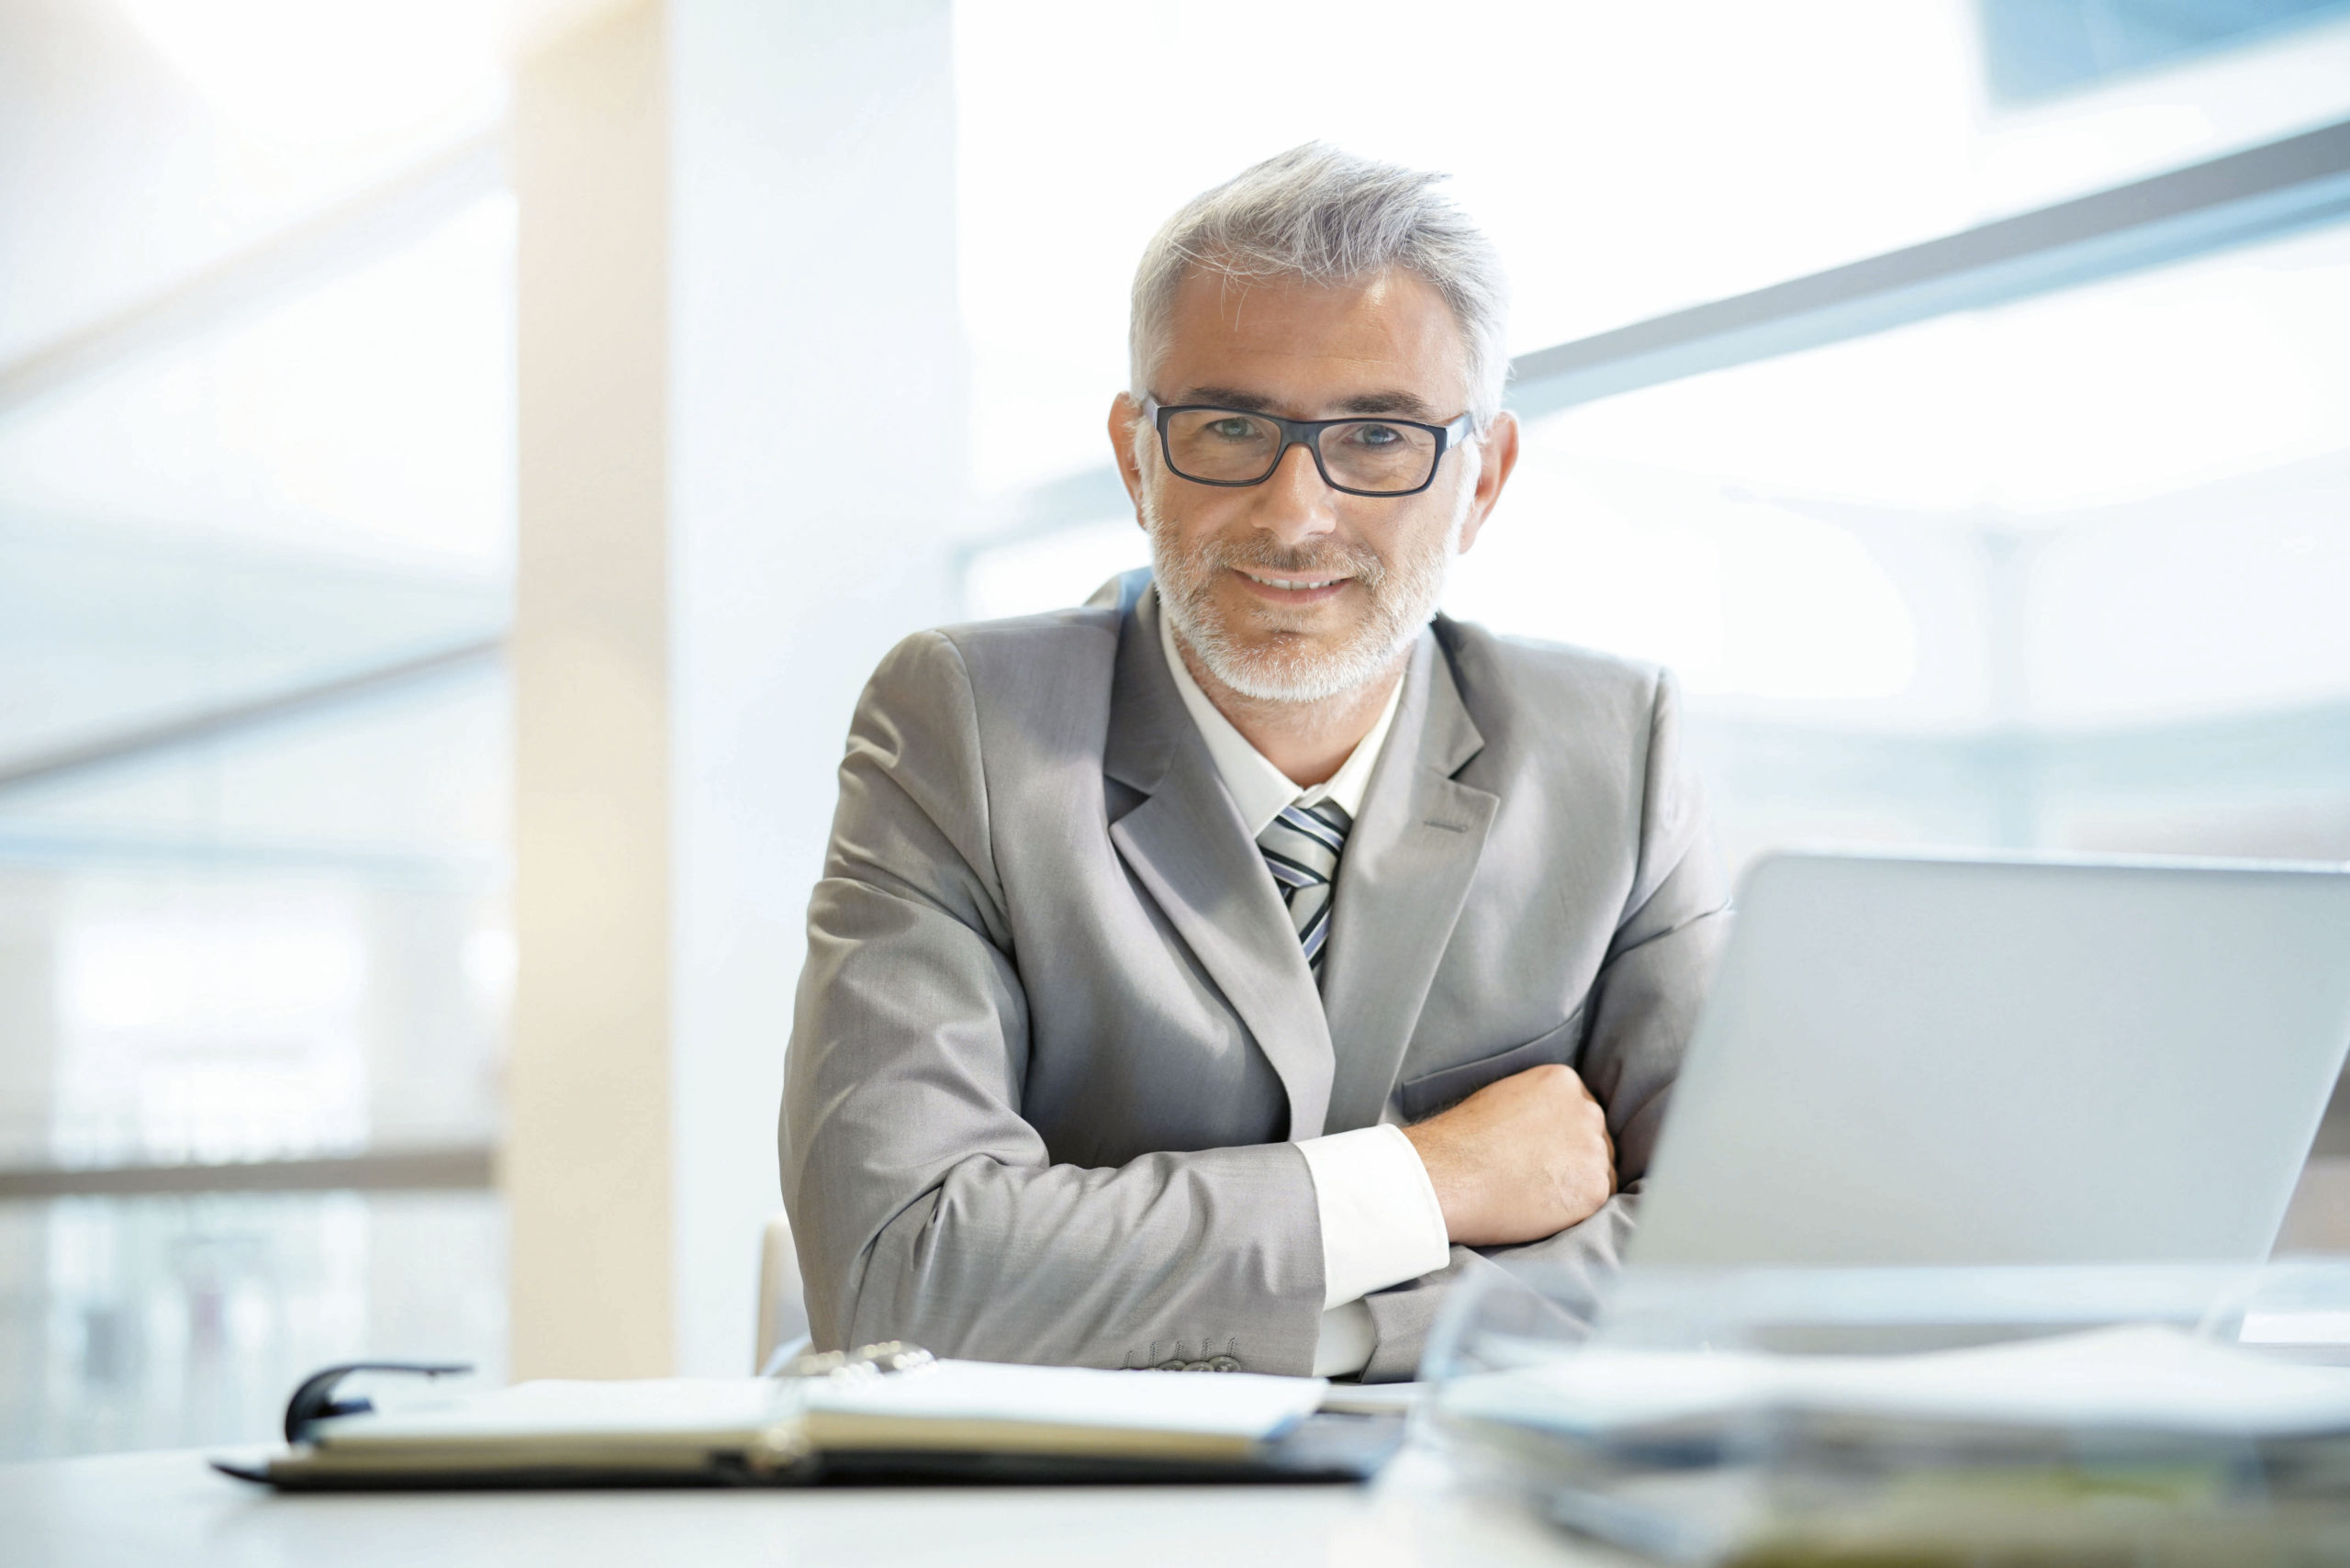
(1499, 457)
(1125, 415)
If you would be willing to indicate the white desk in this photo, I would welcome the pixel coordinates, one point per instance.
(151, 1509)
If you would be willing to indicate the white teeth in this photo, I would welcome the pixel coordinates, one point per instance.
(1291, 582)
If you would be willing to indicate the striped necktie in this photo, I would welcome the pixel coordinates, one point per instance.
(1301, 847)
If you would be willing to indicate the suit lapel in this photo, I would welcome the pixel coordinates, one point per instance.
(1188, 846)
(1406, 869)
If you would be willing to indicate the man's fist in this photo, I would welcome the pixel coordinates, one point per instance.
(1523, 1157)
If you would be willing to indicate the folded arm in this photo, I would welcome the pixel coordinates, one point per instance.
(926, 1207)
(1644, 1004)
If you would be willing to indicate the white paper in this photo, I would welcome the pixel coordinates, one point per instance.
(1236, 1405)
(561, 1408)
(2146, 1377)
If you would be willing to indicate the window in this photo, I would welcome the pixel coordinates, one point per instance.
(256, 528)
(2055, 574)
(1628, 160)
(2037, 48)
(2052, 573)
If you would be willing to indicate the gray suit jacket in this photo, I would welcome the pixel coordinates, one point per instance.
(1055, 1028)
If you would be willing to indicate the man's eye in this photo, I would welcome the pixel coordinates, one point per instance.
(1232, 429)
(1376, 436)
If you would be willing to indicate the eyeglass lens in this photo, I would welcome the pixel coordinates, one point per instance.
(1227, 446)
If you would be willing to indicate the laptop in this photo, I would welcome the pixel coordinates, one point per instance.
(1937, 1062)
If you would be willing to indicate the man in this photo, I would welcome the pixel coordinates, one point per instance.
(1207, 977)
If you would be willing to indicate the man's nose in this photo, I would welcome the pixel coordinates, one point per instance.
(1294, 504)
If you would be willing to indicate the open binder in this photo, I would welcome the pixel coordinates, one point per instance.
(886, 1414)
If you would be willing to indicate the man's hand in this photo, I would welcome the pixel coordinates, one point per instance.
(1523, 1157)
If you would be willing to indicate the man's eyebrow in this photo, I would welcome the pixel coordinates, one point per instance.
(1409, 405)
(1230, 398)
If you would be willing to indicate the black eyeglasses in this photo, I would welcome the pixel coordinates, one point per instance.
(1209, 445)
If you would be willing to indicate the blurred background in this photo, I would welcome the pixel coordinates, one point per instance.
(459, 461)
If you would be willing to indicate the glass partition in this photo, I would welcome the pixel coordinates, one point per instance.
(1627, 161)
(255, 552)
(2051, 576)
(184, 1320)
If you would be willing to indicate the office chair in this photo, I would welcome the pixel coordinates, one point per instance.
(783, 1309)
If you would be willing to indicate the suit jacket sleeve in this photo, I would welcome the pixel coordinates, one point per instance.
(1644, 1004)
(924, 1206)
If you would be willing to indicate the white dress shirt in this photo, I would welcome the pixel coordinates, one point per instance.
(1381, 1222)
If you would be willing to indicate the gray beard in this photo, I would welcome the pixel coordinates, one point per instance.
(1403, 595)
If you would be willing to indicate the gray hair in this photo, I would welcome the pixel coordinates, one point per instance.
(1325, 217)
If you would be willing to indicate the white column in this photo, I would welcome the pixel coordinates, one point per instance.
(742, 427)
(587, 1172)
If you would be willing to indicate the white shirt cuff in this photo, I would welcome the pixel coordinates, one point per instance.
(1381, 1222)
(1347, 1341)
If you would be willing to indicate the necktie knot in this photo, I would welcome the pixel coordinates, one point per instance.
(1300, 847)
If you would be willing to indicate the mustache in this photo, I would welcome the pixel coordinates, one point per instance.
(1328, 560)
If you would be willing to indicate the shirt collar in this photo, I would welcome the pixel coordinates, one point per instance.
(1257, 786)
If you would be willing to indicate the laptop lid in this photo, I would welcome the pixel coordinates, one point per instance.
(1945, 1061)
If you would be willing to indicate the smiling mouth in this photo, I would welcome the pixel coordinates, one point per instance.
(1292, 585)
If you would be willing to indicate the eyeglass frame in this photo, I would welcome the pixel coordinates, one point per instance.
(1306, 434)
